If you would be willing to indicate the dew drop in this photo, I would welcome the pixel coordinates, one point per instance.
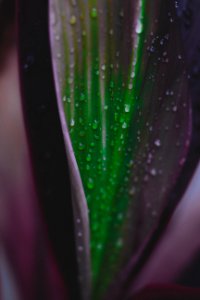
(130, 86)
(120, 216)
(182, 161)
(169, 93)
(121, 14)
(81, 146)
(72, 20)
(139, 27)
(132, 191)
(127, 108)
(95, 125)
(90, 184)
(92, 144)
(99, 247)
(80, 248)
(157, 143)
(94, 13)
(132, 75)
(72, 123)
(153, 172)
(119, 243)
(103, 67)
(70, 80)
(82, 97)
(89, 157)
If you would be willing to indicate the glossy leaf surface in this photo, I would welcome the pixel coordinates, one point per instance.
(120, 73)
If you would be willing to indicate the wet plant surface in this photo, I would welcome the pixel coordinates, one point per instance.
(110, 107)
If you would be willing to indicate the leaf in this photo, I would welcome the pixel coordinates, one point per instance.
(180, 236)
(46, 149)
(167, 292)
(120, 73)
(27, 266)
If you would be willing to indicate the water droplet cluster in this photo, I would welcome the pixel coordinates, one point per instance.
(121, 111)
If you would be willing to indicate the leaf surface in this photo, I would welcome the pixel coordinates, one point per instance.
(120, 73)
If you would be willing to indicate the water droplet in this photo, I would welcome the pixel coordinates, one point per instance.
(132, 191)
(121, 14)
(81, 146)
(182, 161)
(80, 248)
(95, 125)
(72, 20)
(169, 93)
(120, 216)
(94, 13)
(130, 86)
(90, 184)
(119, 242)
(72, 123)
(132, 74)
(139, 27)
(92, 145)
(103, 67)
(82, 97)
(127, 108)
(153, 172)
(149, 158)
(157, 143)
(89, 157)
(70, 80)
(99, 247)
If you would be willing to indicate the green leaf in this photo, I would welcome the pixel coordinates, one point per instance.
(120, 74)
